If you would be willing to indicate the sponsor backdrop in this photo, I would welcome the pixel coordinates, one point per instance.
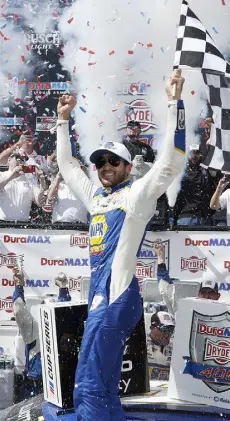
(43, 254)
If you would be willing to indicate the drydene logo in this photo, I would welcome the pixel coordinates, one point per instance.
(145, 270)
(139, 110)
(211, 242)
(6, 304)
(217, 351)
(11, 260)
(193, 264)
(30, 239)
(81, 240)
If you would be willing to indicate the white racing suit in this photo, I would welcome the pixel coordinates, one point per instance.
(119, 216)
(159, 357)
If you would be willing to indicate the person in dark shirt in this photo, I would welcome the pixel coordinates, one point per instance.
(197, 187)
(134, 144)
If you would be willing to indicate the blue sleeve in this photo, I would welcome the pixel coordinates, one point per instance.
(64, 295)
(162, 273)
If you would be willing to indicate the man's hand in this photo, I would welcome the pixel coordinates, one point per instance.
(66, 104)
(16, 172)
(222, 184)
(174, 85)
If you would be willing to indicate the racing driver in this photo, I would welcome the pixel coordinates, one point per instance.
(119, 213)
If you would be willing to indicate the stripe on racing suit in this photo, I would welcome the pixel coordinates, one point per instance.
(119, 216)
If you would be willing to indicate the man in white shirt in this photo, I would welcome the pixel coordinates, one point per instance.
(17, 192)
(221, 198)
(65, 206)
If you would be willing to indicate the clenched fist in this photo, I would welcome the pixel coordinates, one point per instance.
(66, 104)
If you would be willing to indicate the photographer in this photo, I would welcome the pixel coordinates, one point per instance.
(25, 146)
(17, 191)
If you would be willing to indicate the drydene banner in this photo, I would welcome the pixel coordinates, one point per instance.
(190, 256)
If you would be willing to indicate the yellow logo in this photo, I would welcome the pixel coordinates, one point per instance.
(98, 229)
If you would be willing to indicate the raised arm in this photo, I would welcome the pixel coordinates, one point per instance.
(145, 191)
(81, 186)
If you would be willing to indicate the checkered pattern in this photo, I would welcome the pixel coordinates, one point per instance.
(195, 47)
(196, 50)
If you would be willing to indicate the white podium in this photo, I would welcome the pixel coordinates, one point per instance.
(200, 367)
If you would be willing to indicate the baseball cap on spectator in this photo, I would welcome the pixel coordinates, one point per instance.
(194, 147)
(134, 123)
(162, 319)
(115, 148)
(209, 284)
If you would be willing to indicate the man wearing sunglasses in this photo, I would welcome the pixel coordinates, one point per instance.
(119, 212)
(159, 345)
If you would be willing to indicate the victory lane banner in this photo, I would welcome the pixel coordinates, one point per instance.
(42, 254)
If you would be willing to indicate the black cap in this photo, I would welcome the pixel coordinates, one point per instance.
(134, 123)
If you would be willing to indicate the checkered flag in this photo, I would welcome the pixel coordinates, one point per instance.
(196, 50)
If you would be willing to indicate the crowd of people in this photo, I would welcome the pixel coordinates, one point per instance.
(32, 188)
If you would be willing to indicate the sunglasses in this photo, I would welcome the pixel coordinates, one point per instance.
(165, 328)
(114, 161)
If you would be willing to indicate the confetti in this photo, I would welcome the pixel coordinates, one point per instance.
(70, 20)
(193, 92)
(74, 69)
(130, 52)
(28, 47)
(214, 29)
(223, 2)
(149, 45)
(111, 53)
(162, 49)
(83, 96)
(82, 109)
(92, 63)
(23, 59)
(83, 48)
(21, 82)
(91, 52)
(3, 36)
(141, 43)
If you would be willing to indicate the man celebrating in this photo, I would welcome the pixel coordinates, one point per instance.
(119, 212)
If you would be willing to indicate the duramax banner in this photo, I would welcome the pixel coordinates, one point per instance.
(190, 256)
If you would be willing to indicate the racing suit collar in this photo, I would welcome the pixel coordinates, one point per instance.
(110, 190)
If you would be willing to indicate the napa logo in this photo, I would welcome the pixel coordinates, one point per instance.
(98, 229)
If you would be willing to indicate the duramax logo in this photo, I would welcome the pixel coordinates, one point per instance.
(193, 264)
(6, 304)
(80, 240)
(146, 254)
(64, 262)
(11, 260)
(31, 283)
(211, 242)
(30, 239)
(205, 329)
